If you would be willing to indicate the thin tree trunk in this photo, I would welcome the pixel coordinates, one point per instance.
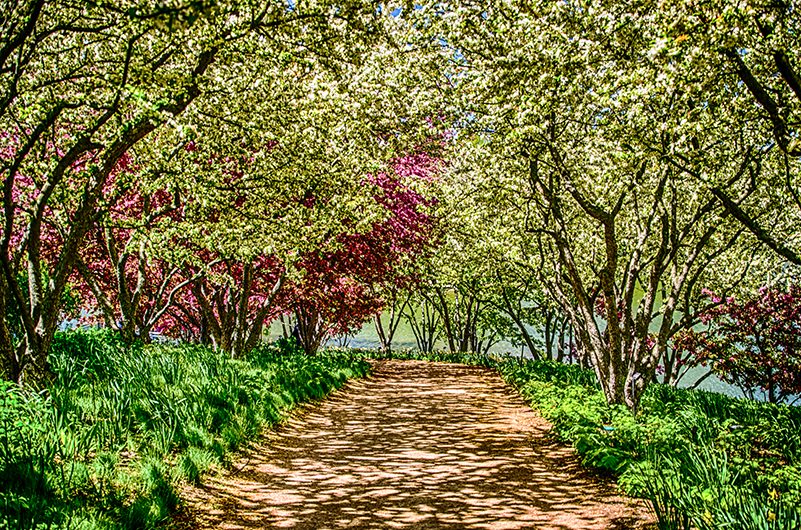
(445, 314)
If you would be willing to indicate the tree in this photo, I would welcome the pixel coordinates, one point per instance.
(396, 300)
(754, 344)
(328, 303)
(465, 315)
(352, 280)
(69, 120)
(119, 271)
(454, 283)
(84, 84)
(230, 303)
(591, 150)
(424, 321)
(755, 44)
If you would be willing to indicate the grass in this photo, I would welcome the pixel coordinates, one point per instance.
(703, 460)
(121, 427)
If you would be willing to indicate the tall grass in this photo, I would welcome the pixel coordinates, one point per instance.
(120, 426)
(702, 459)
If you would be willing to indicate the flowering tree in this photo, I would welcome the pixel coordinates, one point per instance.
(119, 274)
(592, 151)
(409, 231)
(365, 271)
(71, 137)
(329, 301)
(82, 85)
(229, 304)
(754, 344)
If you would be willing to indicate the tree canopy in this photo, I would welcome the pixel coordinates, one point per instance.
(571, 174)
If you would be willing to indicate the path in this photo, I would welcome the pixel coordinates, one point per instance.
(418, 445)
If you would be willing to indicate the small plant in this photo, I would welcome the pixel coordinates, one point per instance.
(659, 484)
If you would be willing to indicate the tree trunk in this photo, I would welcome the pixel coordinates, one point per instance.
(311, 329)
(447, 322)
(9, 366)
(560, 345)
(425, 328)
(384, 339)
(514, 314)
(549, 333)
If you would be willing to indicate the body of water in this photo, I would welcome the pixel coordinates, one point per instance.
(404, 339)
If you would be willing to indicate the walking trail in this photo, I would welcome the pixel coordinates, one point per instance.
(417, 445)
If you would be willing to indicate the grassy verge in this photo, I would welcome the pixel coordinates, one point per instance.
(703, 460)
(489, 361)
(121, 426)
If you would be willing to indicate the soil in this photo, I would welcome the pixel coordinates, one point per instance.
(417, 445)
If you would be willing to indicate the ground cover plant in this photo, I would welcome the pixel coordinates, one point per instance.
(122, 426)
(703, 460)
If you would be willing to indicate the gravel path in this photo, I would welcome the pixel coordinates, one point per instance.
(418, 445)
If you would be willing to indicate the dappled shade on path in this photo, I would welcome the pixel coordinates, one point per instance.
(418, 445)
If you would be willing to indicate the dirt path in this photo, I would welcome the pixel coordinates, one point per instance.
(418, 445)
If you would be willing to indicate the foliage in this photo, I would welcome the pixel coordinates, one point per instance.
(107, 107)
(755, 343)
(700, 489)
(681, 446)
(341, 285)
(123, 425)
(122, 281)
(597, 143)
(475, 359)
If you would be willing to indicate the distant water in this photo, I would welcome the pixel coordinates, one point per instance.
(404, 339)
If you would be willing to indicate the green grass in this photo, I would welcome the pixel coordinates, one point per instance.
(120, 427)
(703, 460)
(476, 359)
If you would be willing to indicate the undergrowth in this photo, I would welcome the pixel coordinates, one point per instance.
(120, 427)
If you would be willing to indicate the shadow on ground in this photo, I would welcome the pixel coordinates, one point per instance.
(418, 445)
